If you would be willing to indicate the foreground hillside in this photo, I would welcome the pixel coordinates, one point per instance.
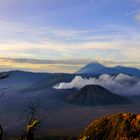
(119, 126)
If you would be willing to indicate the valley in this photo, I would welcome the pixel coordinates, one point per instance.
(56, 115)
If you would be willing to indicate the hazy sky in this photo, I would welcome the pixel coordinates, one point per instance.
(63, 35)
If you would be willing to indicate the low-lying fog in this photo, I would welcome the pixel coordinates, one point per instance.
(121, 84)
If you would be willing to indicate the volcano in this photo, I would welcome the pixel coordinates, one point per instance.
(95, 95)
(96, 68)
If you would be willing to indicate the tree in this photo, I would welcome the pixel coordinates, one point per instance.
(32, 122)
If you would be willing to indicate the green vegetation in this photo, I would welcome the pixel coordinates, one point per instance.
(119, 126)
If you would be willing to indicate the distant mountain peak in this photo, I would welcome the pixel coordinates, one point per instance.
(96, 63)
(91, 67)
(97, 68)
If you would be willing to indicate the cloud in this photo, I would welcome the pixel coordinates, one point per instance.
(121, 84)
(52, 36)
(57, 68)
(108, 43)
(19, 32)
(137, 16)
(138, 1)
(53, 65)
(45, 61)
(87, 50)
(41, 65)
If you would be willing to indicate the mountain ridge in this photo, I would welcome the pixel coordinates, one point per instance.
(97, 68)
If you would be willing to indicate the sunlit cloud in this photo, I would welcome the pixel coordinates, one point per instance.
(62, 65)
(62, 50)
(51, 33)
(35, 65)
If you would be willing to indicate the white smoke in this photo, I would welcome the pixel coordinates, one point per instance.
(121, 84)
